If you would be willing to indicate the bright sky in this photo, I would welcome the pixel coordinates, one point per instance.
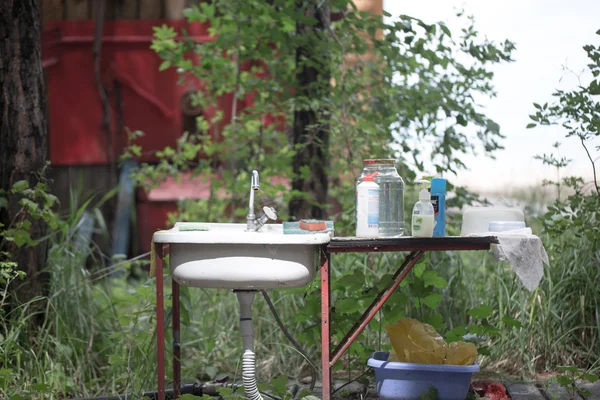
(548, 34)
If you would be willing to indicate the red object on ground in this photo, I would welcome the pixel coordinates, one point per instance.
(491, 390)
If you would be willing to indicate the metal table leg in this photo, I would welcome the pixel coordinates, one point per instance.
(329, 359)
(325, 325)
(160, 322)
(176, 340)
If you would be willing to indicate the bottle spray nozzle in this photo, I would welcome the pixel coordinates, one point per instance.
(424, 193)
(424, 182)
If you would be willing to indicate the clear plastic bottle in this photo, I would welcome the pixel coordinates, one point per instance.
(423, 220)
(370, 170)
(367, 207)
(391, 199)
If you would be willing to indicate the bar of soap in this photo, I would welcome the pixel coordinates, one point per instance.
(193, 227)
(293, 228)
(312, 225)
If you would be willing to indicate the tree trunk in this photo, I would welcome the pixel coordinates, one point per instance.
(311, 127)
(23, 128)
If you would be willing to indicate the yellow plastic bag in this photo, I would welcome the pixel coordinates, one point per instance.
(461, 353)
(416, 342)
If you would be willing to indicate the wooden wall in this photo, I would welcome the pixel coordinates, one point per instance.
(76, 184)
(52, 10)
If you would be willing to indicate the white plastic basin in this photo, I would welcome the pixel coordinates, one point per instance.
(476, 220)
(227, 257)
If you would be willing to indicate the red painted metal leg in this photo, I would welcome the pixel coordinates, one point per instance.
(376, 305)
(160, 322)
(176, 340)
(325, 325)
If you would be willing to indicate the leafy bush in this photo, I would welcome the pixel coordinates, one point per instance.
(98, 336)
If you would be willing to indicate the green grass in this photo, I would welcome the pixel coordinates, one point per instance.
(99, 334)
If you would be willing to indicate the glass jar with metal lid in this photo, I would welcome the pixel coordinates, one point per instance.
(391, 195)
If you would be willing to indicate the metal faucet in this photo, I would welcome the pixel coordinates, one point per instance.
(253, 224)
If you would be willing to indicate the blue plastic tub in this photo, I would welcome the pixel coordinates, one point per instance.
(406, 381)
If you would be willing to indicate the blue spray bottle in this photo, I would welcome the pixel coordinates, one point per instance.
(438, 199)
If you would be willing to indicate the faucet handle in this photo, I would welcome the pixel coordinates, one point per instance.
(270, 213)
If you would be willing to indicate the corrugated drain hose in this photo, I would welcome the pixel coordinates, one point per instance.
(249, 358)
(249, 375)
(245, 299)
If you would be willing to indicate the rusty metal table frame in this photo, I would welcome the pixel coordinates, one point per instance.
(416, 247)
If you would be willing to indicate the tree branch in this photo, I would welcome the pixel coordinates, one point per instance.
(593, 164)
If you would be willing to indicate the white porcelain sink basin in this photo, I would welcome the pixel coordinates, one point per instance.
(226, 256)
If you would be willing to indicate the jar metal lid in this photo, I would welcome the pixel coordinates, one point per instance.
(384, 161)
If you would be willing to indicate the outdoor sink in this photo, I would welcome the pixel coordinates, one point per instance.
(229, 257)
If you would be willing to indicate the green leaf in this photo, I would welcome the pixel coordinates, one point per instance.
(385, 281)
(279, 385)
(531, 125)
(432, 300)
(164, 65)
(21, 237)
(288, 25)
(431, 278)
(445, 29)
(188, 396)
(225, 392)
(483, 311)
(116, 360)
(430, 394)
(589, 377)
(393, 313)
(50, 200)
(6, 376)
(564, 380)
(41, 387)
(512, 322)
(418, 269)
(310, 397)
(461, 120)
(484, 350)
(594, 88)
(598, 32)
(436, 320)
(211, 371)
(455, 334)
(354, 280)
(3, 202)
(29, 205)
(348, 306)
(490, 329)
(20, 186)
(418, 289)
